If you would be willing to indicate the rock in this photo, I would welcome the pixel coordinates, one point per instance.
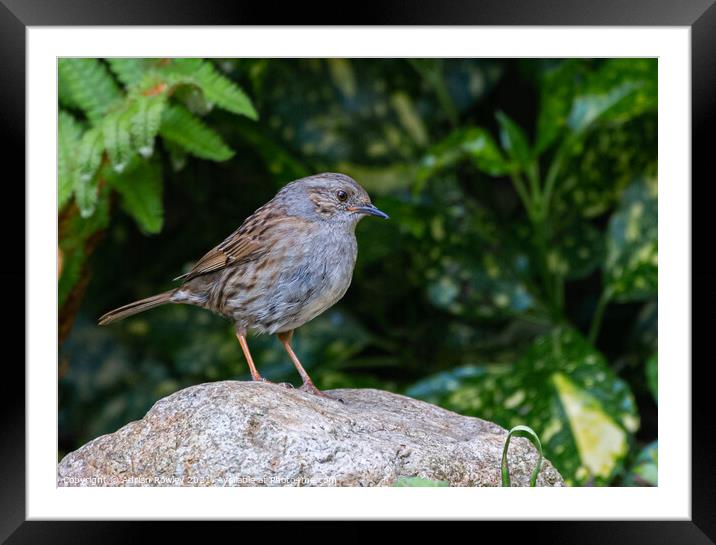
(255, 434)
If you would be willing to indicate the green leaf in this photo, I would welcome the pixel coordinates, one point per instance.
(141, 190)
(223, 92)
(645, 471)
(145, 118)
(557, 89)
(90, 85)
(217, 88)
(117, 141)
(185, 67)
(439, 388)
(183, 128)
(89, 156)
(604, 164)
(79, 229)
(514, 141)
(418, 481)
(528, 432)
(564, 390)
(479, 286)
(614, 73)
(69, 133)
(193, 99)
(64, 95)
(472, 143)
(652, 375)
(619, 90)
(576, 252)
(588, 109)
(631, 271)
(129, 71)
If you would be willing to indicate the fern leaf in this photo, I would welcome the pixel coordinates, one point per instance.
(183, 128)
(117, 142)
(141, 191)
(223, 92)
(145, 117)
(185, 66)
(64, 95)
(128, 71)
(89, 155)
(193, 99)
(78, 229)
(69, 133)
(216, 88)
(89, 84)
(86, 197)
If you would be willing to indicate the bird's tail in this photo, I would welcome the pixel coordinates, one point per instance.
(135, 308)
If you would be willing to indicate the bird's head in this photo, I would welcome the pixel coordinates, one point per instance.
(330, 197)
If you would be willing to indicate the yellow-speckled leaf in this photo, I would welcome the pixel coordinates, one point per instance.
(601, 442)
(631, 265)
(564, 390)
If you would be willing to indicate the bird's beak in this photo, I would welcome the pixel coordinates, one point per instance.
(369, 209)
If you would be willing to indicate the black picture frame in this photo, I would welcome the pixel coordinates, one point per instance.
(17, 15)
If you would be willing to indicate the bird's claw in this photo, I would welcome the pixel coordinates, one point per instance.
(310, 388)
(286, 385)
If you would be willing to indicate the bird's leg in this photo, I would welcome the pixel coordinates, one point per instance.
(245, 347)
(308, 385)
(254, 372)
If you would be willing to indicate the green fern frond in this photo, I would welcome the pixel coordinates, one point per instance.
(140, 188)
(216, 88)
(90, 85)
(89, 155)
(128, 71)
(183, 128)
(186, 66)
(64, 95)
(126, 121)
(86, 197)
(223, 92)
(145, 117)
(69, 133)
(117, 142)
(79, 229)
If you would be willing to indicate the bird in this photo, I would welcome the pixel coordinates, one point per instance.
(288, 262)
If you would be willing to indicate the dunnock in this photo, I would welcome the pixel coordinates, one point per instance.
(288, 262)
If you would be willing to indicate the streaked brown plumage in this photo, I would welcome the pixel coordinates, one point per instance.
(289, 261)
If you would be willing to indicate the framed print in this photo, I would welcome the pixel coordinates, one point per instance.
(420, 264)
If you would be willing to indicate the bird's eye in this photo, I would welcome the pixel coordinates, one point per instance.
(342, 195)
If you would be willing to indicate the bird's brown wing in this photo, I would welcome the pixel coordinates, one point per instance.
(247, 242)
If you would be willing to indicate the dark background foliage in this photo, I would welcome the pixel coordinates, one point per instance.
(516, 280)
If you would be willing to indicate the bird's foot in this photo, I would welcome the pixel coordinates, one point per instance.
(311, 389)
(286, 385)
